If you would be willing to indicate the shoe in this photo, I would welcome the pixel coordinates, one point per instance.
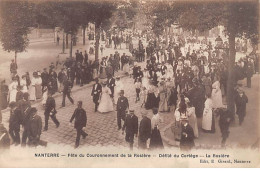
(84, 137)
(119, 129)
(76, 146)
(57, 126)
(45, 129)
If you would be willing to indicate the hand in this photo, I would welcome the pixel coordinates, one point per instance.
(84, 128)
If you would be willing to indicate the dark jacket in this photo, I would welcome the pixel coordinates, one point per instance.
(35, 127)
(50, 105)
(16, 119)
(67, 86)
(131, 124)
(187, 142)
(96, 92)
(122, 103)
(241, 104)
(111, 83)
(80, 118)
(145, 129)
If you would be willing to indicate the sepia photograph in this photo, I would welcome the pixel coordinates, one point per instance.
(129, 83)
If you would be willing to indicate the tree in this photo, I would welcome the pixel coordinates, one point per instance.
(16, 20)
(101, 12)
(239, 18)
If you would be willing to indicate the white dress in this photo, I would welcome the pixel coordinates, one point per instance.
(32, 90)
(24, 87)
(12, 91)
(216, 95)
(169, 71)
(207, 115)
(145, 80)
(118, 87)
(106, 104)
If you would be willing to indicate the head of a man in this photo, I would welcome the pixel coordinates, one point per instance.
(79, 104)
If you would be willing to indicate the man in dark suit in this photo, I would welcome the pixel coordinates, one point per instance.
(80, 117)
(122, 106)
(111, 84)
(66, 92)
(35, 129)
(96, 90)
(14, 123)
(144, 130)
(45, 78)
(50, 111)
(131, 128)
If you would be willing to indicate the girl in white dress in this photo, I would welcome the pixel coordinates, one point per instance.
(145, 79)
(105, 104)
(216, 94)
(208, 122)
(13, 90)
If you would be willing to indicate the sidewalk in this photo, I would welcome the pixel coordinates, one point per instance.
(240, 136)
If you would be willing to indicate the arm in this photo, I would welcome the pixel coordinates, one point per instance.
(73, 116)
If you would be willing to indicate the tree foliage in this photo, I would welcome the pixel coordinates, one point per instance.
(15, 23)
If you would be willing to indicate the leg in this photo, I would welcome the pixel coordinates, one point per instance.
(78, 137)
(131, 141)
(24, 137)
(119, 119)
(17, 137)
(54, 119)
(46, 121)
(84, 134)
(71, 100)
(63, 99)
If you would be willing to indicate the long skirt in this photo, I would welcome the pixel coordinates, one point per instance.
(156, 139)
(151, 101)
(208, 122)
(103, 74)
(176, 129)
(193, 123)
(12, 97)
(95, 73)
(106, 104)
(32, 93)
(126, 68)
(38, 91)
(163, 104)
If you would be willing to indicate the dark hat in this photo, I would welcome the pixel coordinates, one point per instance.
(155, 110)
(131, 112)
(12, 104)
(33, 110)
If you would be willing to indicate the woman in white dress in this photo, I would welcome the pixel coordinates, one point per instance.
(119, 86)
(32, 88)
(208, 122)
(105, 104)
(23, 84)
(216, 94)
(38, 87)
(169, 71)
(13, 90)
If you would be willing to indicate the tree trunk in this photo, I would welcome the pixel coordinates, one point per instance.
(97, 37)
(84, 35)
(67, 41)
(231, 77)
(71, 44)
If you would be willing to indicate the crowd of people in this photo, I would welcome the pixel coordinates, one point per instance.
(184, 76)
